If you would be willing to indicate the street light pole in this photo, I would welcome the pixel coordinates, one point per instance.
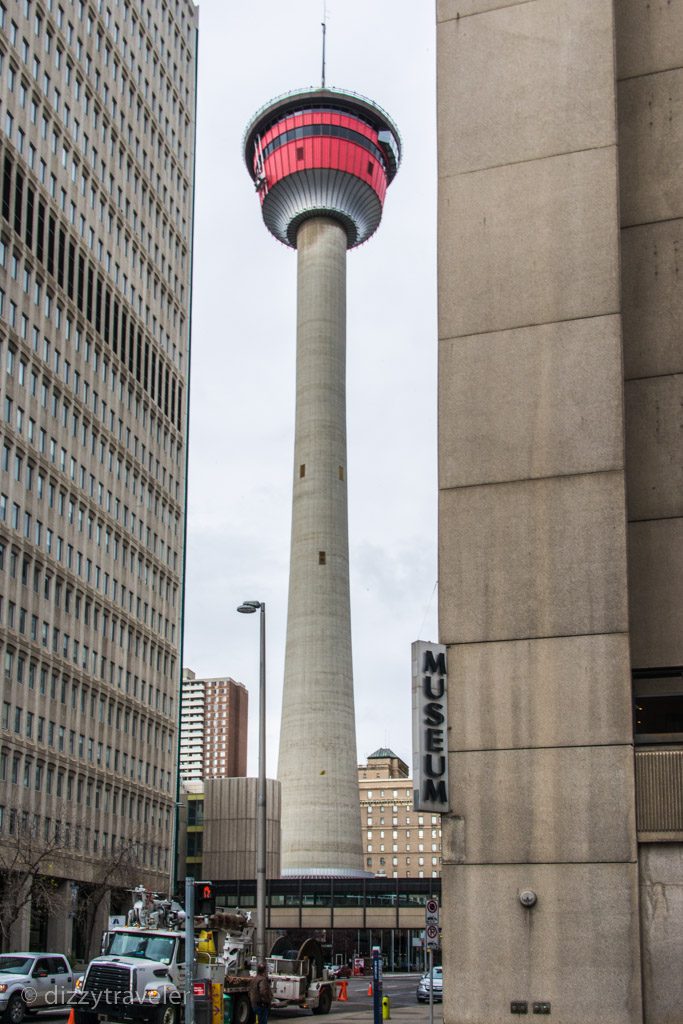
(248, 608)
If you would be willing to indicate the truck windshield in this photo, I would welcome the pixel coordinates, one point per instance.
(146, 946)
(15, 964)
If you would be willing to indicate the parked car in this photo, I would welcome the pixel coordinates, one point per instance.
(33, 981)
(423, 987)
(339, 971)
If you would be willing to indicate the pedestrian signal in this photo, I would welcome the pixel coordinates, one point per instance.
(204, 898)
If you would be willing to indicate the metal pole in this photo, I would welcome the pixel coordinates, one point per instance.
(261, 801)
(324, 31)
(189, 949)
(431, 985)
(377, 984)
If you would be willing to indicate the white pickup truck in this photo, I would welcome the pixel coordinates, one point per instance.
(33, 981)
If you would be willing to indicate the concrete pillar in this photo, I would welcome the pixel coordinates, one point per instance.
(317, 768)
(60, 922)
(20, 932)
(101, 919)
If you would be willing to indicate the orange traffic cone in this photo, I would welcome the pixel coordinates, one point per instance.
(343, 996)
(72, 1017)
(370, 989)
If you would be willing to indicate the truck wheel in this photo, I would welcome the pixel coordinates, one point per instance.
(166, 1015)
(324, 1001)
(16, 1009)
(242, 1012)
(84, 1017)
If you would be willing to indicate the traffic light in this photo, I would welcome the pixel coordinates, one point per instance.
(204, 898)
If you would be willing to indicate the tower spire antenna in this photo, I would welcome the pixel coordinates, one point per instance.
(324, 27)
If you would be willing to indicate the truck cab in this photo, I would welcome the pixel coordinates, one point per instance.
(167, 948)
(139, 977)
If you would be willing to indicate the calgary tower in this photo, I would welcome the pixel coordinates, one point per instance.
(321, 161)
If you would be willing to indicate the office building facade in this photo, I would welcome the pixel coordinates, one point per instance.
(97, 127)
(213, 728)
(560, 135)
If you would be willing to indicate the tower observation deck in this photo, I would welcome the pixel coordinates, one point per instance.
(321, 161)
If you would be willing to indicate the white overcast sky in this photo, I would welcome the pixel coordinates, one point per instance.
(243, 361)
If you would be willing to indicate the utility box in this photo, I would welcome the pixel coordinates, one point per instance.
(288, 987)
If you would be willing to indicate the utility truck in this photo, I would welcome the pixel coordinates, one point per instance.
(140, 976)
(298, 977)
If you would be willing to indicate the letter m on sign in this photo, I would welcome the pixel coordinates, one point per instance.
(434, 666)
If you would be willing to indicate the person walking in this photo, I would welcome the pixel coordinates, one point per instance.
(260, 994)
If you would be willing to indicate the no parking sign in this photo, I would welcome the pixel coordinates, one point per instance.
(432, 923)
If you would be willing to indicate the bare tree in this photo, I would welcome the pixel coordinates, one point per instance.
(119, 869)
(26, 860)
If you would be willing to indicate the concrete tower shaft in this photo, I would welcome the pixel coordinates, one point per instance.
(321, 162)
(317, 766)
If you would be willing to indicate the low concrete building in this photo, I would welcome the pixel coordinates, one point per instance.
(347, 916)
(218, 829)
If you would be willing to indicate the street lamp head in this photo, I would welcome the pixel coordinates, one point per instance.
(247, 607)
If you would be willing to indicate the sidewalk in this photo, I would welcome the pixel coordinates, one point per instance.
(416, 1014)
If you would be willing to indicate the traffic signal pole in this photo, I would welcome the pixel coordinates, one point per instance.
(189, 950)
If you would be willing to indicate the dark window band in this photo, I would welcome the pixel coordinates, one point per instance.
(327, 131)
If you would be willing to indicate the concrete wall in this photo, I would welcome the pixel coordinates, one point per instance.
(532, 541)
(650, 102)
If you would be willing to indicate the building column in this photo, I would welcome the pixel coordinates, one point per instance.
(20, 932)
(61, 920)
(100, 926)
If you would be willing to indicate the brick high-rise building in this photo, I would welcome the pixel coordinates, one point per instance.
(97, 126)
(213, 728)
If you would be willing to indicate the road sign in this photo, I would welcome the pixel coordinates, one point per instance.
(432, 912)
(432, 936)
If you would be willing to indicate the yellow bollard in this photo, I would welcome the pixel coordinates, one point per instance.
(386, 1008)
(216, 1003)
